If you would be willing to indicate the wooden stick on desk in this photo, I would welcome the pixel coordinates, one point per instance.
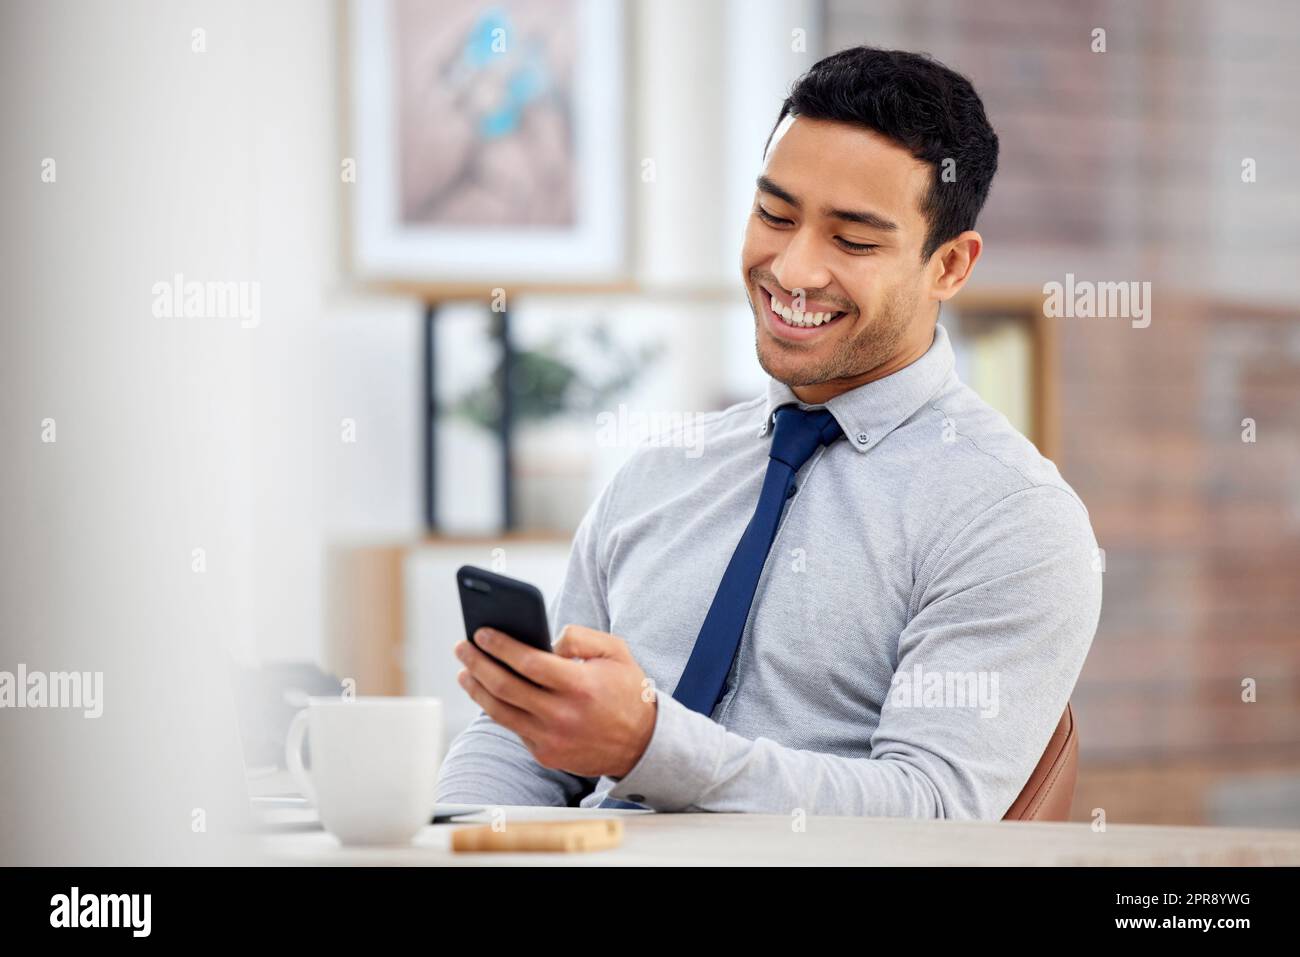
(568, 836)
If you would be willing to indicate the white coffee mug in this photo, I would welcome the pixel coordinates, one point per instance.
(374, 764)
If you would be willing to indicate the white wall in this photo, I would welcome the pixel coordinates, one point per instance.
(222, 165)
(175, 434)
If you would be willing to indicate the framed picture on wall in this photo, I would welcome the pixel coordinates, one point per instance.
(1004, 349)
(488, 143)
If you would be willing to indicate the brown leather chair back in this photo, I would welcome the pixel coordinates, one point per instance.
(1050, 790)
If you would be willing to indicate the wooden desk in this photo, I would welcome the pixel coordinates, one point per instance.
(759, 839)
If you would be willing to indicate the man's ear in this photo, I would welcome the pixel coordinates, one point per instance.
(952, 264)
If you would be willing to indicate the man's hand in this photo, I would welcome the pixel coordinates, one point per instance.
(591, 711)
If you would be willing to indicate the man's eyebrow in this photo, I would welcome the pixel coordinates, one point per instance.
(868, 219)
(765, 185)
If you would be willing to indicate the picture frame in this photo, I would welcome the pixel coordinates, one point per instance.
(489, 144)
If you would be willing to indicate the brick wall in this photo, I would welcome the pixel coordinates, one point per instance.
(1201, 529)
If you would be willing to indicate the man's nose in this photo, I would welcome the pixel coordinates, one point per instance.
(801, 265)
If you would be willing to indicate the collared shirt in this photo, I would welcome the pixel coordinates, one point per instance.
(923, 615)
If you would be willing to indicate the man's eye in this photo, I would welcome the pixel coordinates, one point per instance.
(768, 218)
(856, 247)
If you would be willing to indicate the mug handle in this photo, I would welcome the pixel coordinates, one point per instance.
(293, 754)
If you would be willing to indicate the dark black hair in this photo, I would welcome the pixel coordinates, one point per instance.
(915, 100)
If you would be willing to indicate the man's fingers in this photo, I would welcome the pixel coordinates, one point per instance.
(577, 641)
(503, 713)
(499, 682)
(548, 670)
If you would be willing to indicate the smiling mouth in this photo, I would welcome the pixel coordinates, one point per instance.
(798, 319)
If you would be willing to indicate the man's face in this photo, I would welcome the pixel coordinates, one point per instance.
(836, 228)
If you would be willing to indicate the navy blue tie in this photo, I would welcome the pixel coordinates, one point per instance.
(797, 435)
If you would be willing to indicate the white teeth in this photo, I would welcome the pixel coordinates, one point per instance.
(798, 318)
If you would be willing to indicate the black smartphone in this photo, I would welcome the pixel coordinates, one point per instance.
(489, 600)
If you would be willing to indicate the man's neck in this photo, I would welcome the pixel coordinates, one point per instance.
(820, 393)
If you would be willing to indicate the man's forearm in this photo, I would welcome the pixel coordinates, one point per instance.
(695, 764)
(488, 764)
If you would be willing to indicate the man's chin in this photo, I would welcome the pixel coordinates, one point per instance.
(792, 366)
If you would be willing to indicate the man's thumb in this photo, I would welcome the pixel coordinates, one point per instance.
(577, 641)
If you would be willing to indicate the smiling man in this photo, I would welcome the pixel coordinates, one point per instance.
(869, 595)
